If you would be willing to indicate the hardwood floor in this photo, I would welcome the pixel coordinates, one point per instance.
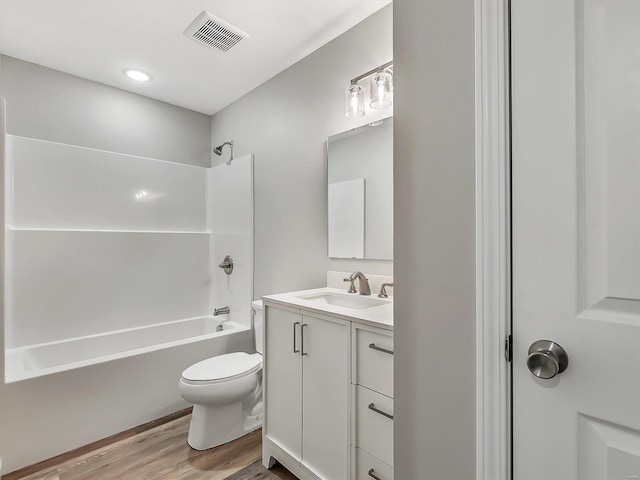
(159, 452)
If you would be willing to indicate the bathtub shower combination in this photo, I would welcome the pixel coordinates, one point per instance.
(111, 255)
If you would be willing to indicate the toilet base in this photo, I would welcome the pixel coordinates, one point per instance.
(214, 425)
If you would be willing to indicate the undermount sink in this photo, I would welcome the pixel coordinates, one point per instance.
(345, 300)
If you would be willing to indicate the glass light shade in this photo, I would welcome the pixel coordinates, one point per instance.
(354, 101)
(381, 90)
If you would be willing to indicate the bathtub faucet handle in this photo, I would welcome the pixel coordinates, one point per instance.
(227, 264)
(221, 311)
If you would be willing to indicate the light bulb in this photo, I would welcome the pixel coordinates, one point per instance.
(137, 75)
(381, 90)
(354, 101)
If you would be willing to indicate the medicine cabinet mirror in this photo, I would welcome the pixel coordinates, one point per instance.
(360, 192)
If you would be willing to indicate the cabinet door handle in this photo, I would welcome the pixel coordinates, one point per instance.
(373, 346)
(373, 475)
(302, 339)
(373, 407)
(294, 337)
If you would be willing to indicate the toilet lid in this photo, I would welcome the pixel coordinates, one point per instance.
(223, 366)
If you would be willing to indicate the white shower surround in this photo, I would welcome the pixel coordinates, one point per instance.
(111, 255)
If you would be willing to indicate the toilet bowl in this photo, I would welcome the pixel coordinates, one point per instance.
(226, 392)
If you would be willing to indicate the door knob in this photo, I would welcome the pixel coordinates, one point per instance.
(547, 359)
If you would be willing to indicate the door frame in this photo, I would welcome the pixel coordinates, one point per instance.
(493, 240)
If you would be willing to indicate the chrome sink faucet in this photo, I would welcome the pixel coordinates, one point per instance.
(383, 290)
(352, 287)
(363, 283)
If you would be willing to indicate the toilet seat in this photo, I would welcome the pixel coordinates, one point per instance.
(223, 368)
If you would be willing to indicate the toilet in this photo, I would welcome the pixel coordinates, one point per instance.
(226, 392)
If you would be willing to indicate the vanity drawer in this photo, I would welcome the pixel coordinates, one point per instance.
(368, 467)
(374, 423)
(373, 366)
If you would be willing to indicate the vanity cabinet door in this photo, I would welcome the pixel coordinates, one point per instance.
(283, 380)
(325, 394)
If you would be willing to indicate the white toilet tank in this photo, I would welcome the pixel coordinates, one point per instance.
(258, 324)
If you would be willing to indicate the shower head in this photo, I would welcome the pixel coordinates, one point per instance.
(218, 150)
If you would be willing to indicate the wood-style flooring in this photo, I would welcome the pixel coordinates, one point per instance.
(157, 451)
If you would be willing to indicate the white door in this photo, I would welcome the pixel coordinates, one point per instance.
(325, 386)
(283, 382)
(576, 236)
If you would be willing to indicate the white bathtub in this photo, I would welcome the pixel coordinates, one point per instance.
(47, 358)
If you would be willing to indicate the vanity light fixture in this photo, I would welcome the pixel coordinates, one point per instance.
(381, 90)
(137, 75)
(354, 102)
(380, 93)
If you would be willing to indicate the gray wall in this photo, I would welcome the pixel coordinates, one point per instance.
(45, 416)
(2, 264)
(51, 105)
(434, 265)
(285, 123)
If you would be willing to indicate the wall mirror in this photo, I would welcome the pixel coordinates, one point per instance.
(360, 192)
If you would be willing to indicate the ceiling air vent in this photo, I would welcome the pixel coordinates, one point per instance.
(214, 32)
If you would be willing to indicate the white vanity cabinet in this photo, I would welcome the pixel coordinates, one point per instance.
(372, 405)
(328, 385)
(306, 392)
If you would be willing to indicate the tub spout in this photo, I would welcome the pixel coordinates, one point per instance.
(220, 311)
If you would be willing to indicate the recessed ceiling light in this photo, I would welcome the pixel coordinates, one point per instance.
(137, 75)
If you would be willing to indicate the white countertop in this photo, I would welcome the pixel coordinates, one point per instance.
(377, 316)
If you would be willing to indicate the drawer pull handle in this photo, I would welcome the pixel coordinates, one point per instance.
(373, 475)
(373, 407)
(373, 346)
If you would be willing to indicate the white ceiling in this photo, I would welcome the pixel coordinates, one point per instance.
(97, 39)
